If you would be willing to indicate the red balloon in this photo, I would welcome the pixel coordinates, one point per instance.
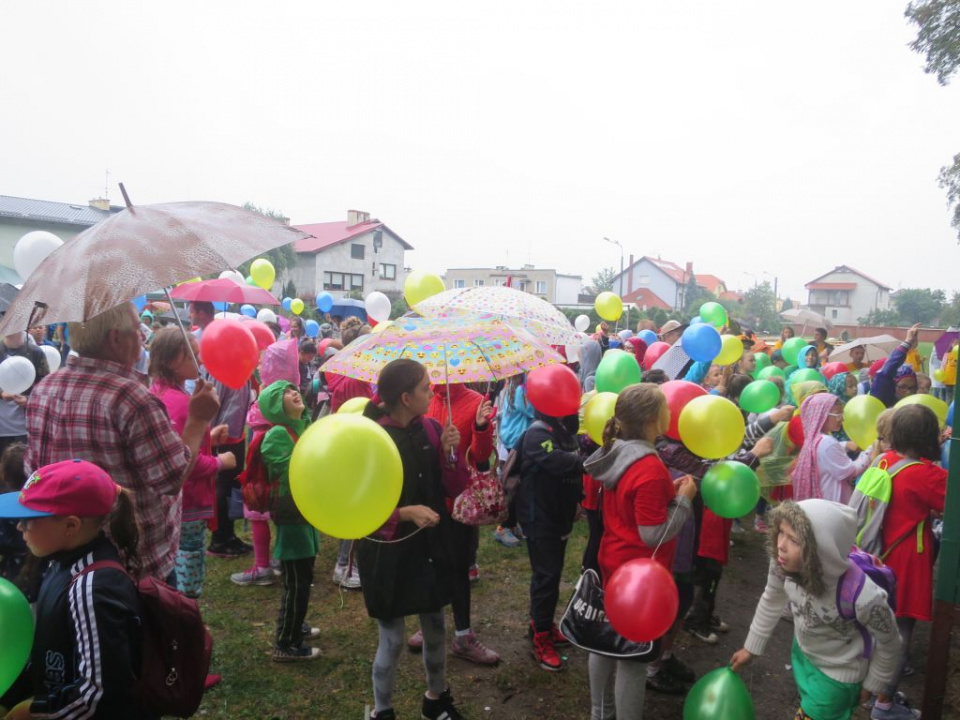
(641, 600)
(653, 354)
(554, 390)
(229, 352)
(322, 347)
(679, 393)
(833, 368)
(876, 366)
(261, 333)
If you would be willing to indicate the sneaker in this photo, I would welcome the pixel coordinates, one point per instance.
(387, 714)
(718, 625)
(545, 652)
(675, 667)
(474, 573)
(518, 533)
(469, 648)
(701, 632)
(347, 577)
(895, 712)
(505, 537)
(415, 641)
(310, 633)
(275, 567)
(663, 682)
(294, 654)
(759, 525)
(440, 709)
(211, 681)
(253, 576)
(558, 637)
(226, 550)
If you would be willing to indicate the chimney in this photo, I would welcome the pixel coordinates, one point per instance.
(355, 217)
(100, 204)
(689, 269)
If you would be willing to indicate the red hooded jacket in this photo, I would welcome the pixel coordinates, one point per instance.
(463, 403)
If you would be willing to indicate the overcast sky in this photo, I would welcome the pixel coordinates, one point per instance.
(746, 137)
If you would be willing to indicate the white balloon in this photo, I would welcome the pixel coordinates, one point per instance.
(32, 249)
(582, 322)
(17, 375)
(233, 275)
(378, 306)
(53, 357)
(267, 316)
(573, 353)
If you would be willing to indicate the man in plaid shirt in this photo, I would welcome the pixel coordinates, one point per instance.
(98, 409)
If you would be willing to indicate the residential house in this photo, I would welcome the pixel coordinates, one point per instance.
(656, 283)
(357, 255)
(19, 216)
(845, 294)
(554, 287)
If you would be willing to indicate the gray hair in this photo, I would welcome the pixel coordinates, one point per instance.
(89, 337)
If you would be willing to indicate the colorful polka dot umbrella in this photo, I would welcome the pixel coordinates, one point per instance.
(454, 350)
(533, 314)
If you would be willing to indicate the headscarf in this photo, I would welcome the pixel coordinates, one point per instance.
(904, 371)
(590, 355)
(838, 386)
(802, 357)
(639, 348)
(806, 473)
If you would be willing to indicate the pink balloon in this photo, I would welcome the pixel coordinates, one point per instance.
(833, 368)
(554, 390)
(679, 393)
(653, 354)
(641, 600)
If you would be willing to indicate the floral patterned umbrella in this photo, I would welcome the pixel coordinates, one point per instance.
(454, 350)
(536, 316)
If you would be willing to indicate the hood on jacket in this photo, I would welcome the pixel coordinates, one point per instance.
(826, 530)
(590, 355)
(608, 464)
(270, 403)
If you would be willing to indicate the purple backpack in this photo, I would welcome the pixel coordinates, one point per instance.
(862, 566)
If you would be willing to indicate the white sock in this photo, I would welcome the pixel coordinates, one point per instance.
(463, 633)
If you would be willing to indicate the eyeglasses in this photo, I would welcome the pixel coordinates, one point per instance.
(836, 415)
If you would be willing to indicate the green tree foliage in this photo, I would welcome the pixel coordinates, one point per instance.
(880, 317)
(603, 280)
(919, 305)
(787, 304)
(949, 180)
(282, 258)
(694, 296)
(950, 315)
(759, 307)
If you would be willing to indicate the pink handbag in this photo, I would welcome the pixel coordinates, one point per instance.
(483, 502)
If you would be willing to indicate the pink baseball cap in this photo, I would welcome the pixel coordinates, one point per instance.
(71, 487)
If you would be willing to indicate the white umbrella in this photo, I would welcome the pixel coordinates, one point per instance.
(807, 317)
(876, 347)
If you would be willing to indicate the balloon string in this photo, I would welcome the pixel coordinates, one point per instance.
(393, 542)
(666, 531)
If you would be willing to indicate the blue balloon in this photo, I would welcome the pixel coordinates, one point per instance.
(221, 306)
(312, 328)
(285, 304)
(248, 310)
(701, 342)
(950, 415)
(648, 336)
(696, 320)
(140, 303)
(324, 302)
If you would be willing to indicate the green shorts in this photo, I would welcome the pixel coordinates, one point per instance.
(822, 697)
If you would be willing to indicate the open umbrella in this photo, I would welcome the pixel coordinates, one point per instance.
(8, 293)
(536, 316)
(806, 317)
(455, 350)
(223, 290)
(875, 348)
(138, 250)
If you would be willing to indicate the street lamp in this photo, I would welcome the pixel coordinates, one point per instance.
(619, 245)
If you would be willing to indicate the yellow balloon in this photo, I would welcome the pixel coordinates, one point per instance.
(420, 285)
(938, 406)
(354, 406)
(609, 306)
(711, 427)
(187, 282)
(346, 475)
(860, 419)
(731, 349)
(938, 375)
(381, 326)
(296, 306)
(598, 411)
(263, 273)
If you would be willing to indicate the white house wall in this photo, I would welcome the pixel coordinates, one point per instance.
(648, 276)
(337, 259)
(568, 289)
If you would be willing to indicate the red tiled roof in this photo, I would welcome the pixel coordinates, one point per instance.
(847, 268)
(731, 295)
(831, 286)
(332, 233)
(709, 282)
(646, 298)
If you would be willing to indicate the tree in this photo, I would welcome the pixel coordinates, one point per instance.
(880, 317)
(949, 180)
(950, 315)
(283, 257)
(919, 305)
(786, 305)
(694, 296)
(603, 280)
(759, 306)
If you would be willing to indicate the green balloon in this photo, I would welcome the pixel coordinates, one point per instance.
(789, 370)
(760, 396)
(730, 489)
(791, 349)
(769, 371)
(16, 629)
(617, 370)
(249, 281)
(806, 375)
(719, 695)
(713, 313)
(763, 361)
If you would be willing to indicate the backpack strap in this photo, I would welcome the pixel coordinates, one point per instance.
(848, 591)
(433, 435)
(102, 565)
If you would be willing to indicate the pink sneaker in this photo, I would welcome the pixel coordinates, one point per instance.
(469, 648)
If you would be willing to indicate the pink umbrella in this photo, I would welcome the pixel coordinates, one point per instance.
(223, 290)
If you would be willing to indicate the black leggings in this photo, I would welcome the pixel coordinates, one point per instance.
(546, 562)
(590, 552)
(466, 539)
(226, 482)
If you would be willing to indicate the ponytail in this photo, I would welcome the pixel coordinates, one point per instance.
(611, 431)
(125, 532)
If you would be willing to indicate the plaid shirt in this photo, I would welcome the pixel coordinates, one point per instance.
(99, 411)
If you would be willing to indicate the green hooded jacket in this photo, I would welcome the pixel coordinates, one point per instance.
(295, 537)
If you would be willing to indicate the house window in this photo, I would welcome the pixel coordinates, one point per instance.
(332, 281)
(501, 283)
(541, 287)
(478, 283)
(356, 282)
(356, 251)
(833, 314)
(643, 280)
(523, 285)
(388, 272)
(459, 283)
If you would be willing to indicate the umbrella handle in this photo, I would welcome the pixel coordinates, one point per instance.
(196, 363)
(446, 380)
